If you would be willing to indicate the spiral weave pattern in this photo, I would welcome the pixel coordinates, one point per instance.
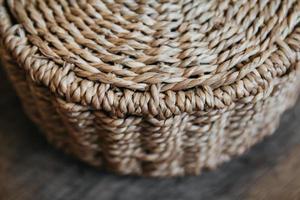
(153, 87)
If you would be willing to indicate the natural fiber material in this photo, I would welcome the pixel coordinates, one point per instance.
(157, 88)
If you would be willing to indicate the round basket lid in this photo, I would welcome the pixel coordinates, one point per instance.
(219, 50)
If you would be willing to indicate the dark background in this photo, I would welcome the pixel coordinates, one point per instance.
(30, 169)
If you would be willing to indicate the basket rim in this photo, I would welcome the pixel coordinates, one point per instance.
(124, 100)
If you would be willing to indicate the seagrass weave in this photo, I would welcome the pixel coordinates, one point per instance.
(153, 87)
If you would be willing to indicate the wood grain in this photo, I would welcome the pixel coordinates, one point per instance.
(30, 169)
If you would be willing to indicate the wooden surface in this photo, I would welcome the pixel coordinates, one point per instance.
(30, 169)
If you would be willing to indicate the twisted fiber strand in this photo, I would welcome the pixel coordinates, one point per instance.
(77, 35)
(82, 138)
(48, 120)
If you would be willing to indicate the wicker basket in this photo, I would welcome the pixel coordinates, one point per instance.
(155, 88)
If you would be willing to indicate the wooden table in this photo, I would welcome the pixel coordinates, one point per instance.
(30, 169)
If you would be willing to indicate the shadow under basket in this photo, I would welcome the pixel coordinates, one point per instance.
(153, 88)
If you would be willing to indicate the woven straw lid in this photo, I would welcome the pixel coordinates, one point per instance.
(156, 57)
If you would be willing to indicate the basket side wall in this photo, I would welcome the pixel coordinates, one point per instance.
(182, 144)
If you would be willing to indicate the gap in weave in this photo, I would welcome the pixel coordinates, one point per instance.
(195, 76)
(13, 20)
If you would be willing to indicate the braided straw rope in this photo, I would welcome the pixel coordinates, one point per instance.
(156, 88)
